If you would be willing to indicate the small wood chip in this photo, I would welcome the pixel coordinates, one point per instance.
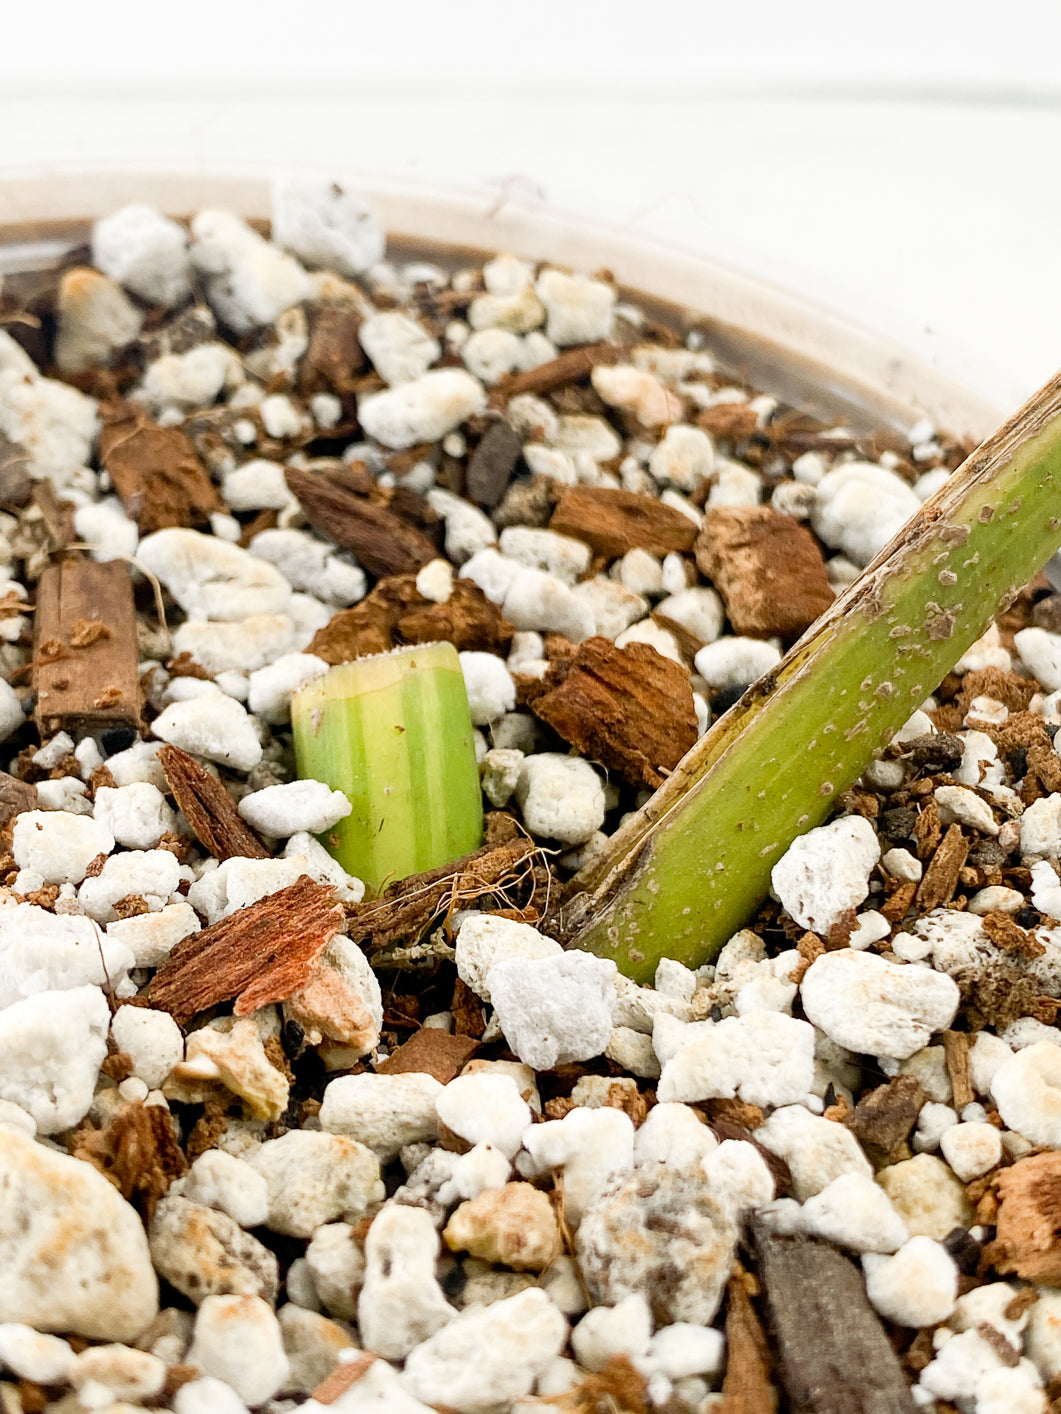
(85, 649)
(137, 1150)
(897, 904)
(383, 542)
(15, 796)
(768, 568)
(941, 876)
(883, 1118)
(1028, 1224)
(630, 708)
(208, 807)
(433, 1051)
(395, 612)
(612, 522)
(927, 829)
(405, 910)
(832, 1350)
(568, 367)
(257, 955)
(333, 354)
(491, 465)
(1006, 933)
(729, 421)
(956, 1053)
(747, 1387)
(156, 472)
(344, 1377)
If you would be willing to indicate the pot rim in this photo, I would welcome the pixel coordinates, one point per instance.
(806, 353)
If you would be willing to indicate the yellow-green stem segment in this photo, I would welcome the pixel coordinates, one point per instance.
(692, 867)
(393, 732)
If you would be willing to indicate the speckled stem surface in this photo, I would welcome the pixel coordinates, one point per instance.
(691, 867)
(394, 733)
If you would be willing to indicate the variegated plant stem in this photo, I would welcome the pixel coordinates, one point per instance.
(394, 733)
(692, 867)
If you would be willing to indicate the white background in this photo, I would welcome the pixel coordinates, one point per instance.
(900, 163)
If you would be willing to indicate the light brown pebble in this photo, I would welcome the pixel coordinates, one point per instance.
(514, 1226)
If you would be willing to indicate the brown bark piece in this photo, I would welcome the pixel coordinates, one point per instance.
(156, 472)
(333, 354)
(897, 904)
(1008, 688)
(395, 612)
(56, 516)
(208, 807)
(431, 1050)
(491, 465)
(767, 567)
(568, 367)
(1046, 764)
(941, 876)
(883, 1119)
(611, 521)
(137, 1150)
(746, 1386)
(407, 907)
(383, 542)
(344, 1377)
(1006, 933)
(256, 955)
(832, 1350)
(730, 421)
(629, 708)
(85, 650)
(1028, 1236)
(15, 796)
(956, 1053)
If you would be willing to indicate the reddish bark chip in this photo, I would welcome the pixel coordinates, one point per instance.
(431, 1050)
(611, 521)
(156, 472)
(629, 708)
(256, 955)
(767, 567)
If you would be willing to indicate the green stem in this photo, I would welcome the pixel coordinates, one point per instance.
(692, 867)
(393, 732)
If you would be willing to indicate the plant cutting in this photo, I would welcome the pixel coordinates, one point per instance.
(392, 731)
(689, 870)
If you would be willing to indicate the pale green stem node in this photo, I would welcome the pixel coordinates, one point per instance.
(394, 734)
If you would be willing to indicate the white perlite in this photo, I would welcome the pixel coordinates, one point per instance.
(249, 282)
(1027, 1090)
(485, 939)
(144, 251)
(401, 1303)
(488, 1356)
(325, 225)
(592, 1147)
(422, 410)
(384, 1112)
(33, 1356)
(826, 871)
(313, 1177)
(137, 815)
(42, 952)
(816, 1150)
(285, 809)
(57, 845)
(579, 310)
(151, 1039)
(232, 1185)
(765, 1057)
(51, 1047)
(859, 507)
(856, 1213)
(215, 726)
(72, 1250)
(916, 1287)
(561, 797)
(211, 579)
(238, 1339)
(875, 1007)
(485, 1109)
(553, 1010)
